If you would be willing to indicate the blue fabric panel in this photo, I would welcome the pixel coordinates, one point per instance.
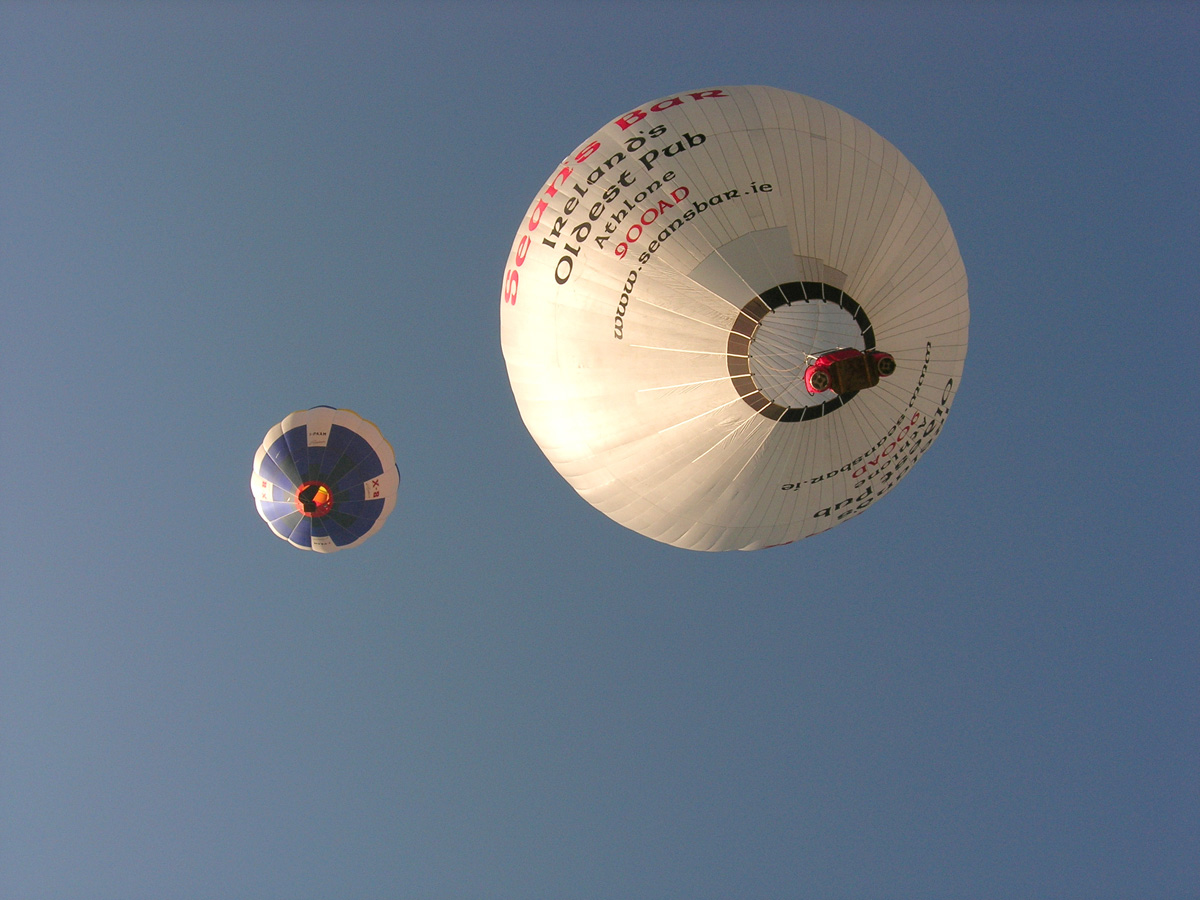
(320, 459)
(363, 524)
(323, 459)
(355, 450)
(341, 536)
(302, 533)
(274, 510)
(297, 445)
(335, 460)
(367, 465)
(364, 511)
(281, 452)
(270, 470)
(312, 464)
(360, 475)
(319, 527)
(339, 437)
(285, 526)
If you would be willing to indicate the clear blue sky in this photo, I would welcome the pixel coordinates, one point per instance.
(213, 214)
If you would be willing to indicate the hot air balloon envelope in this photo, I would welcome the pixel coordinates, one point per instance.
(681, 272)
(324, 479)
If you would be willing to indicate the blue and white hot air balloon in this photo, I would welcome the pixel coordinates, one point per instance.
(325, 479)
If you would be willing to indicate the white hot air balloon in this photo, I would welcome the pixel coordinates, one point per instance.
(734, 317)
